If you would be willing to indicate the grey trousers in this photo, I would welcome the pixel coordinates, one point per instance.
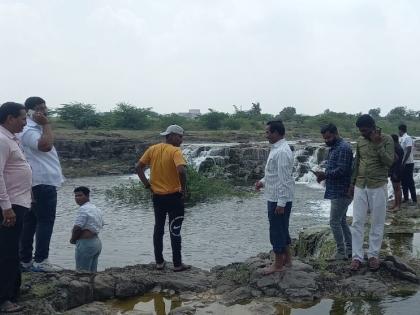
(87, 254)
(339, 226)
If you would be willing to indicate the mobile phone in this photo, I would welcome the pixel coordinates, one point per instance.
(30, 113)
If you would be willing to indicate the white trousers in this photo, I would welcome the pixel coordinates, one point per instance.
(374, 199)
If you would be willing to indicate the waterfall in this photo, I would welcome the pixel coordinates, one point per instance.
(252, 158)
(207, 154)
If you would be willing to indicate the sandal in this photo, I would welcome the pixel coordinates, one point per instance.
(161, 266)
(355, 265)
(182, 268)
(9, 307)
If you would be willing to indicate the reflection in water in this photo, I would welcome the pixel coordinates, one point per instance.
(405, 303)
(404, 244)
(155, 303)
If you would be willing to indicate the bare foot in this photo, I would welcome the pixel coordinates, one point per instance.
(272, 269)
(288, 258)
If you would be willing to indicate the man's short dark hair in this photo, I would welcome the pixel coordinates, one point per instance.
(402, 127)
(10, 108)
(33, 101)
(365, 121)
(277, 125)
(82, 189)
(395, 138)
(331, 128)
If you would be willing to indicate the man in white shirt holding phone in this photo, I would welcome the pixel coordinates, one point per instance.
(37, 140)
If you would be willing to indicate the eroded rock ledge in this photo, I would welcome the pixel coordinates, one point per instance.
(311, 277)
(306, 280)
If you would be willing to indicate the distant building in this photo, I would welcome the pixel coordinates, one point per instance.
(192, 113)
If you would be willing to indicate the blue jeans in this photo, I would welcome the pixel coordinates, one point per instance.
(87, 254)
(279, 227)
(39, 221)
(339, 226)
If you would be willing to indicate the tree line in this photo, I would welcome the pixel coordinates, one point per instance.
(127, 116)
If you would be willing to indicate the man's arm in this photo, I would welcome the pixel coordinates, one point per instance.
(407, 154)
(284, 168)
(356, 163)
(9, 216)
(182, 174)
(344, 159)
(140, 168)
(46, 141)
(386, 151)
(75, 234)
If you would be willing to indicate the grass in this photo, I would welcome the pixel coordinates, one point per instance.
(200, 188)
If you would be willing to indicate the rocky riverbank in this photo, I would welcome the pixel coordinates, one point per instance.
(238, 161)
(239, 285)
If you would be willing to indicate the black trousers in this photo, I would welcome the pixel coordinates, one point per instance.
(173, 206)
(10, 277)
(407, 182)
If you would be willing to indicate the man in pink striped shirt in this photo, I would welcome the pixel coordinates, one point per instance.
(15, 199)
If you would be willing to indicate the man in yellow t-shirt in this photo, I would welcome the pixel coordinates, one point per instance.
(167, 183)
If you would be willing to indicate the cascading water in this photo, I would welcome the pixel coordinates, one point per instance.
(204, 156)
(306, 157)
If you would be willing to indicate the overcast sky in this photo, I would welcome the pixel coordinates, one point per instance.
(172, 55)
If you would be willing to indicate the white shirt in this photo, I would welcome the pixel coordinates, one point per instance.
(278, 180)
(46, 168)
(406, 141)
(89, 217)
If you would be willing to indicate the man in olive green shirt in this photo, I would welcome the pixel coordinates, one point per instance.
(374, 157)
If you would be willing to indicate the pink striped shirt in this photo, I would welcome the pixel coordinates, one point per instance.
(15, 173)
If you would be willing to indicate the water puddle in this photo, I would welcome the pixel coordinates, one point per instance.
(150, 303)
(404, 244)
(403, 302)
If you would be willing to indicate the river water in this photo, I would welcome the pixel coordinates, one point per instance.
(214, 233)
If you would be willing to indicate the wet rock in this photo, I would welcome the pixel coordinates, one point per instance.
(315, 242)
(95, 308)
(400, 273)
(237, 296)
(401, 265)
(103, 286)
(363, 286)
(183, 310)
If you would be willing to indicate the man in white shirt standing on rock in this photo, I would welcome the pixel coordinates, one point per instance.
(38, 145)
(407, 180)
(279, 189)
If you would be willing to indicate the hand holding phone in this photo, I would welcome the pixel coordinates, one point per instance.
(30, 113)
(38, 117)
(376, 136)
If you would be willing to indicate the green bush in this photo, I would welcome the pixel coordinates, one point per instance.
(200, 188)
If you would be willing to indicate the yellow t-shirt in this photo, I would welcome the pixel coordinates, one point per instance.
(163, 158)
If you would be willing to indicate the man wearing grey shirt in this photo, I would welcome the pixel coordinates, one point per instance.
(278, 186)
(89, 222)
